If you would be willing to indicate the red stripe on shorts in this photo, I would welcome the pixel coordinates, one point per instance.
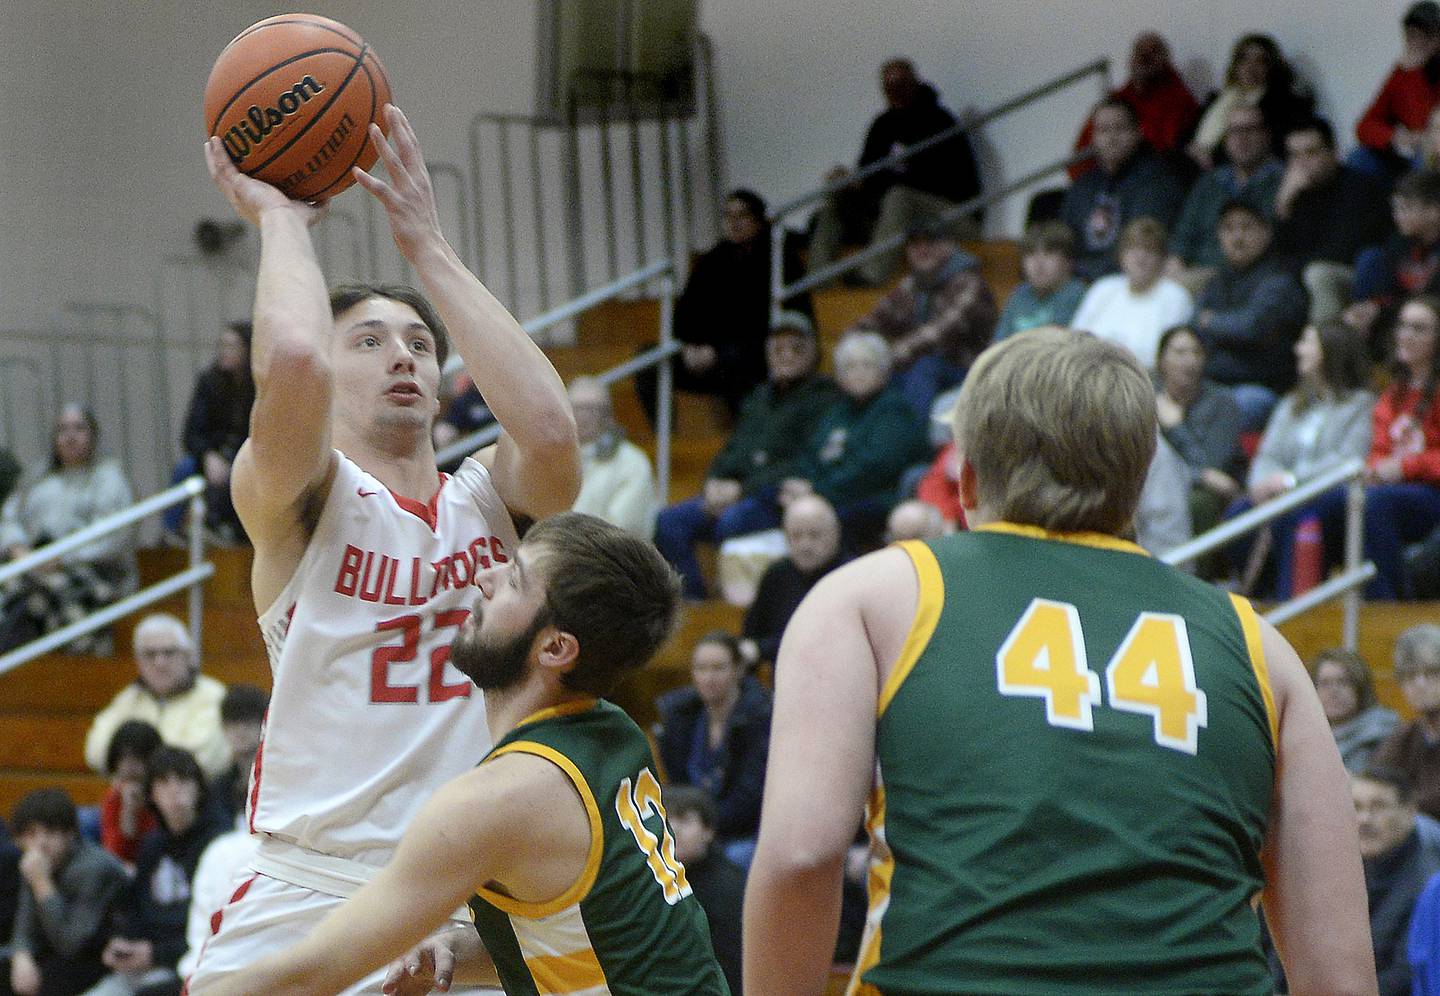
(215, 919)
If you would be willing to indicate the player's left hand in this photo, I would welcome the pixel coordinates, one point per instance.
(408, 197)
(427, 967)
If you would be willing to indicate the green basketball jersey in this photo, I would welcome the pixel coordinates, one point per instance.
(630, 924)
(1075, 756)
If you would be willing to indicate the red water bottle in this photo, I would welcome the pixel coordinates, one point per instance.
(1308, 556)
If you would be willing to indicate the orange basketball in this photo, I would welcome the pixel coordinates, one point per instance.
(292, 98)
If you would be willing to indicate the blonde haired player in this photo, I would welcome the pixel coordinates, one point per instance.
(1083, 766)
(366, 558)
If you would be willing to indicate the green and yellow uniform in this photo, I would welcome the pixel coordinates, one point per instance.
(1074, 761)
(630, 924)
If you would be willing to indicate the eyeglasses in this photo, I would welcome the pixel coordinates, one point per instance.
(156, 653)
(1407, 674)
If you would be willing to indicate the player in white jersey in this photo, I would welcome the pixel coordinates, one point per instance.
(365, 556)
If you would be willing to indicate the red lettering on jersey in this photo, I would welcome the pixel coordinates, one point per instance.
(442, 576)
(349, 576)
(390, 598)
(497, 550)
(458, 561)
(368, 593)
(415, 598)
(380, 688)
(481, 561)
(440, 656)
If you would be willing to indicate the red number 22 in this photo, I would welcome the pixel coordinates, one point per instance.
(381, 690)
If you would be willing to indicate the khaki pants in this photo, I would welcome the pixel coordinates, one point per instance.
(900, 207)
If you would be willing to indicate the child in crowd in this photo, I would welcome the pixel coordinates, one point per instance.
(1051, 292)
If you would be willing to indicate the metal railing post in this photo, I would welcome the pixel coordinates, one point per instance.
(664, 408)
(195, 596)
(777, 269)
(1354, 544)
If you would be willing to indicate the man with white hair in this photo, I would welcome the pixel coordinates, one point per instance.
(617, 483)
(170, 693)
(914, 520)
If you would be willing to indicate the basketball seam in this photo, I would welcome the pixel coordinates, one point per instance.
(274, 69)
(365, 144)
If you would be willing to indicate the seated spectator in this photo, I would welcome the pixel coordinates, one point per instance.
(775, 426)
(1347, 693)
(69, 893)
(1162, 518)
(718, 882)
(465, 411)
(9, 894)
(1258, 77)
(1133, 307)
(940, 487)
(1165, 109)
(1325, 213)
(1131, 182)
(150, 933)
(914, 520)
(723, 314)
(225, 861)
(1201, 420)
(9, 474)
(937, 319)
(215, 427)
(1428, 157)
(1409, 263)
(1316, 427)
(812, 540)
(76, 489)
(862, 444)
(1250, 172)
(1398, 863)
(1415, 747)
(1050, 293)
(169, 692)
(1249, 315)
(125, 816)
(1389, 129)
(715, 734)
(617, 483)
(242, 721)
(883, 205)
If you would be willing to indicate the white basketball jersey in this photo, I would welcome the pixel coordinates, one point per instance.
(368, 716)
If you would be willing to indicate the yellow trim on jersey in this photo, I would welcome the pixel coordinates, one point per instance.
(568, 973)
(881, 872)
(564, 709)
(581, 888)
(1250, 626)
(1101, 541)
(922, 627)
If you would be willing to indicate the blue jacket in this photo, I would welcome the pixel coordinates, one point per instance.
(740, 761)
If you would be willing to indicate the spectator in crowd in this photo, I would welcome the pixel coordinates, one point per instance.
(125, 815)
(1389, 129)
(1347, 693)
(1258, 77)
(1201, 420)
(913, 519)
(1429, 155)
(862, 444)
(1162, 518)
(1316, 427)
(1409, 263)
(9, 895)
(883, 205)
(1131, 182)
(1165, 109)
(939, 487)
(1398, 863)
(1250, 314)
(718, 882)
(150, 935)
(169, 692)
(723, 314)
(1325, 213)
(68, 896)
(9, 474)
(217, 424)
(714, 735)
(76, 489)
(224, 861)
(813, 549)
(1249, 172)
(937, 319)
(1050, 292)
(465, 412)
(1415, 747)
(242, 721)
(1133, 307)
(617, 482)
(774, 428)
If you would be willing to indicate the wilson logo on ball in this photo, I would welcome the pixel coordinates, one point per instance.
(242, 139)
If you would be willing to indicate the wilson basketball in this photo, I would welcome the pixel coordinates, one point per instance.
(292, 98)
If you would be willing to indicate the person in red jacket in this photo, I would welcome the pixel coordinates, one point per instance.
(1391, 127)
(1164, 105)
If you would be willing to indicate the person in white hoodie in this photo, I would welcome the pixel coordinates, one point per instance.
(1133, 307)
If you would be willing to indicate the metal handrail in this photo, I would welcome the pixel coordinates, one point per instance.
(1099, 66)
(1346, 583)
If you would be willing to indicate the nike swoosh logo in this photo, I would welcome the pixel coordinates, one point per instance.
(365, 494)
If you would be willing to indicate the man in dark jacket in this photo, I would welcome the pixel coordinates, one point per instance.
(812, 539)
(215, 427)
(881, 206)
(775, 425)
(719, 883)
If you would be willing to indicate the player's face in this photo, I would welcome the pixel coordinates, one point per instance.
(177, 800)
(1382, 819)
(1337, 693)
(385, 366)
(494, 647)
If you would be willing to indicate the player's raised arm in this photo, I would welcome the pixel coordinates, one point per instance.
(1315, 899)
(536, 467)
(288, 452)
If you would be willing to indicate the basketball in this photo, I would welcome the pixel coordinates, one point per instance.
(292, 98)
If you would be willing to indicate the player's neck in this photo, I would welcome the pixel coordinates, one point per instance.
(507, 708)
(406, 467)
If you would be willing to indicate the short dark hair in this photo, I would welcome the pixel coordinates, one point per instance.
(1422, 185)
(1243, 206)
(609, 589)
(173, 761)
(1396, 778)
(1319, 126)
(132, 738)
(721, 638)
(50, 808)
(1048, 236)
(1357, 673)
(346, 296)
(683, 800)
(1171, 333)
(753, 202)
(244, 704)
